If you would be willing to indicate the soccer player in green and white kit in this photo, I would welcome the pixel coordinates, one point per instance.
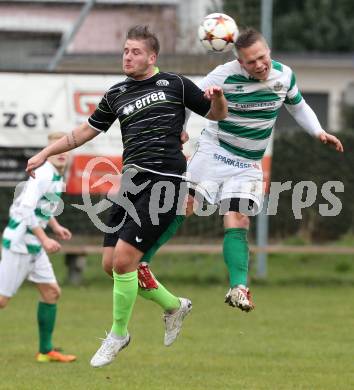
(25, 246)
(227, 162)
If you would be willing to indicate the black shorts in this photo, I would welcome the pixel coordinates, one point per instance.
(143, 216)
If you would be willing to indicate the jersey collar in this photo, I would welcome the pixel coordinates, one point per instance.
(156, 71)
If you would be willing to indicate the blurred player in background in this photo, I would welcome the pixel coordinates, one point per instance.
(227, 162)
(25, 246)
(150, 106)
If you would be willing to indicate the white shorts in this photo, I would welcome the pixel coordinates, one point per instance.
(218, 174)
(16, 267)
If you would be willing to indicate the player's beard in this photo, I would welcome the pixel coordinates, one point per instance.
(139, 72)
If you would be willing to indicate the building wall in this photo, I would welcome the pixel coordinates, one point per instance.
(190, 15)
(332, 81)
(104, 29)
(176, 24)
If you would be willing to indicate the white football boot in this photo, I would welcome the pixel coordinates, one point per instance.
(109, 349)
(173, 322)
(240, 296)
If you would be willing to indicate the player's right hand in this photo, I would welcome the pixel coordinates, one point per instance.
(184, 137)
(213, 92)
(51, 246)
(330, 139)
(34, 162)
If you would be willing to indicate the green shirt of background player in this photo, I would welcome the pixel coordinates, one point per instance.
(25, 245)
(255, 87)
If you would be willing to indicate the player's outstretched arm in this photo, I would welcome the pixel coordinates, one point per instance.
(218, 109)
(330, 139)
(49, 245)
(60, 231)
(76, 138)
(307, 119)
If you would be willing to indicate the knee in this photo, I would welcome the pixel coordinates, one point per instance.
(107, 265)
(122, 267)
(3, 302)
(126, 259)
(236, 220)
(107, 268)
(244, 222)
(52, 294)
(107, 260)
(55, 293)
(189, 205)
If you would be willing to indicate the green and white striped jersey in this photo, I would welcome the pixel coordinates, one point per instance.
(253, 106)
(33, 207)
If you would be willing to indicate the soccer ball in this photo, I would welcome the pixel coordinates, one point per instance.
(218, 32)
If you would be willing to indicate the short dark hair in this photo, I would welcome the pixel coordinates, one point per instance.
(248, 37)
(142, 33)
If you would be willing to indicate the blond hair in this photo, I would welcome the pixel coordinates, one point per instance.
(142, 33)
(55, 135)
(248, 37)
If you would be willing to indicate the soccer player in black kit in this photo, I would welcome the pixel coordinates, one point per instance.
(150, 106)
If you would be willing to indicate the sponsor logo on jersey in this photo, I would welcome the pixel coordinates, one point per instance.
(143, 102)
(255, 105)
(232, 162)
(239, 88)
(122, 88)
(255, 165)
(129, 109)
(277, 86)
(162, 83)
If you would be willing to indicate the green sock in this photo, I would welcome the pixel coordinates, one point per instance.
(125, 291)
(236, 255)
(46, 314)
(165, 236)
(161, 296)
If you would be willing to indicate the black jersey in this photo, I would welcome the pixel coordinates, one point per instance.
(151, 113)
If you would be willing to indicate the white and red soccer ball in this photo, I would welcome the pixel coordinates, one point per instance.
(218, 32)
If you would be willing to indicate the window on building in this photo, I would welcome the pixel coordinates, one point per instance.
(27, 50)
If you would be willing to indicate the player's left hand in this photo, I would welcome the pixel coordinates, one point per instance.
(213, 92)
(34, 162)
(63, 233)
(326, 138)
(184, 137)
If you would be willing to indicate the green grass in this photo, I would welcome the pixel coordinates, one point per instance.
(299, 337)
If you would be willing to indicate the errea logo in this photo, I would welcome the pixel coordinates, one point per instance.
(152, 98)
(129, 109)
(143, 102)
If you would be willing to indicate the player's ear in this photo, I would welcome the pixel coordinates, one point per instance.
(152, 58)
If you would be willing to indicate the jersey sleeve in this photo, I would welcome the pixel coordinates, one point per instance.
(33, 191)
(305, 117)
(193, 97)
(215, 77)
(103, 117)
(293, 96)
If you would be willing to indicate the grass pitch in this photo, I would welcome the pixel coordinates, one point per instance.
(299, 337)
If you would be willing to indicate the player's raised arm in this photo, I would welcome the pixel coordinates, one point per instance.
(211, 103)
(76, 138)
(331, 139)
(218, 109)
(307, 119)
